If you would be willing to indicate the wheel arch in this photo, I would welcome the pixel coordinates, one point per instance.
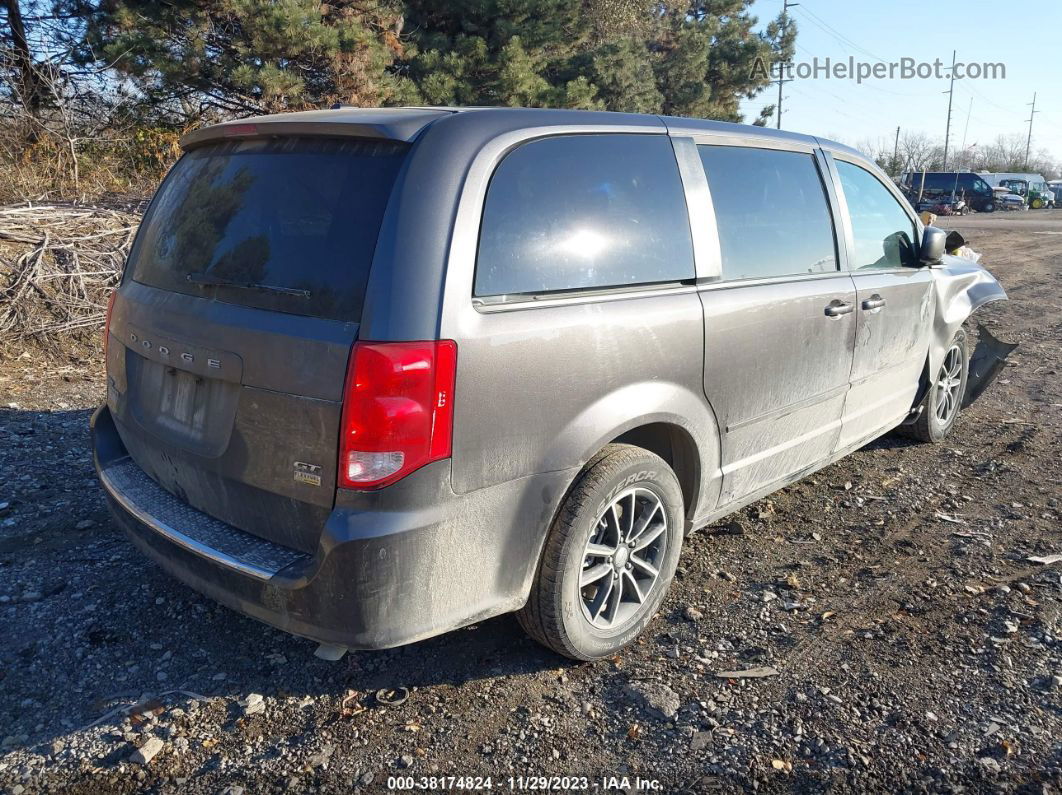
(671, 420)
(961, 287)
(677, 448)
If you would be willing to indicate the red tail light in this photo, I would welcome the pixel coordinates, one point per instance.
(397, 410)
(107, 324)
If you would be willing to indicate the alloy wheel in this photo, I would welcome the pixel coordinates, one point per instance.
(622, 558)
(949, 381)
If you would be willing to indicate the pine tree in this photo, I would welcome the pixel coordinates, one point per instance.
(253, 55)
(623, 55)
(246, 56)
(496, 52)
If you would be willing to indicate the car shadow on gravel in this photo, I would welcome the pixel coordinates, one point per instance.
(892, 441)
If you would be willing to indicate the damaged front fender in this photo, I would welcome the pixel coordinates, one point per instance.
(961, 286)
(985, 363)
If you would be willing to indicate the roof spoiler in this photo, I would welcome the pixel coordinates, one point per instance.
(394, 124)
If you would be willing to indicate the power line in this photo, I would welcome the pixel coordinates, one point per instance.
(822, 24)
(848, 43)
(966, 130)
(994, 123)
(835, 34)
(832, 108)
(996, 105)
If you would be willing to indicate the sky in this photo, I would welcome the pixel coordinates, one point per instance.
(1024, 35)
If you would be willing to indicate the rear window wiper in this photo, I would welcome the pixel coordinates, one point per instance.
(220, 281)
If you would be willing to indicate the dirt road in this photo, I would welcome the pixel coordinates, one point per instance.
(917, 646)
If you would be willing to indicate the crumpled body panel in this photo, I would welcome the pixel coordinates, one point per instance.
(960, 287)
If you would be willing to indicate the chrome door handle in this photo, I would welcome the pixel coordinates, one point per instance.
(838, 308)
(874, 302)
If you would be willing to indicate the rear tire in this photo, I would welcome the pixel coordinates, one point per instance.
(942, 403)
(609, 557)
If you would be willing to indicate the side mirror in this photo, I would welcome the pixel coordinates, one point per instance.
(934, 241)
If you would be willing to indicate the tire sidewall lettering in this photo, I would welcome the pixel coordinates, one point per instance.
(644, 475)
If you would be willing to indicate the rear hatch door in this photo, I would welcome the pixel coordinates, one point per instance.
(231, 332)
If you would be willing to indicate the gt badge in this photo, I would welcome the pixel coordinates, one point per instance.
(310, 474)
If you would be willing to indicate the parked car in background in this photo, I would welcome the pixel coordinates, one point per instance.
(1007, 199)
(941, 203)
(938, 185)
(373, 375)
(1018, 187)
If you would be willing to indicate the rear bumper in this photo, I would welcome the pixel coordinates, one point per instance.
(391, 566)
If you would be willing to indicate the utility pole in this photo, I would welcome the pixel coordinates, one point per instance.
(786, 5)
(1028, 142)
(896, 155)
(951, 96)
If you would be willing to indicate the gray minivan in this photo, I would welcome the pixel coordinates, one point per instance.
(373, 375)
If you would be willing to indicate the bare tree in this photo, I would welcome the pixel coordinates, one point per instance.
(919, 152)
(880, 150)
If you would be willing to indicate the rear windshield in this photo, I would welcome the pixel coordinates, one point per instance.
(287, 224)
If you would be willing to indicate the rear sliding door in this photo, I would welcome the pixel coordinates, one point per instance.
(780, 322)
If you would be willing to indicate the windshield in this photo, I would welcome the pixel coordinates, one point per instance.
(288, 224)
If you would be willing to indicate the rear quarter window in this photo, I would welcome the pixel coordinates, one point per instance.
(583, 212)
(286, 224)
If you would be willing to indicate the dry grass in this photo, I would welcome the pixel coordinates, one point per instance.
(85, 170)
(58, 265)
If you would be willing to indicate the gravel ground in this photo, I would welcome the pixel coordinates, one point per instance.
(907, 641)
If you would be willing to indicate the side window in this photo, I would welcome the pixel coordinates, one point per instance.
(771, 210)
(584, 211)
(884, 234)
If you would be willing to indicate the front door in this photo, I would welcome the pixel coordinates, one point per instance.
(780, 322)
(893, 306)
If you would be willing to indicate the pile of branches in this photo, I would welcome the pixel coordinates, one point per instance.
(58, 265)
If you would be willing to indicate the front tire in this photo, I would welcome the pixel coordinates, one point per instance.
(942, 403)
(609, 557)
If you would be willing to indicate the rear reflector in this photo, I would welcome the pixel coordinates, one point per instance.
(397, 410)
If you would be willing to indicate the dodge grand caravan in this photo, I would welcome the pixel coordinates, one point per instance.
(373, 375)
